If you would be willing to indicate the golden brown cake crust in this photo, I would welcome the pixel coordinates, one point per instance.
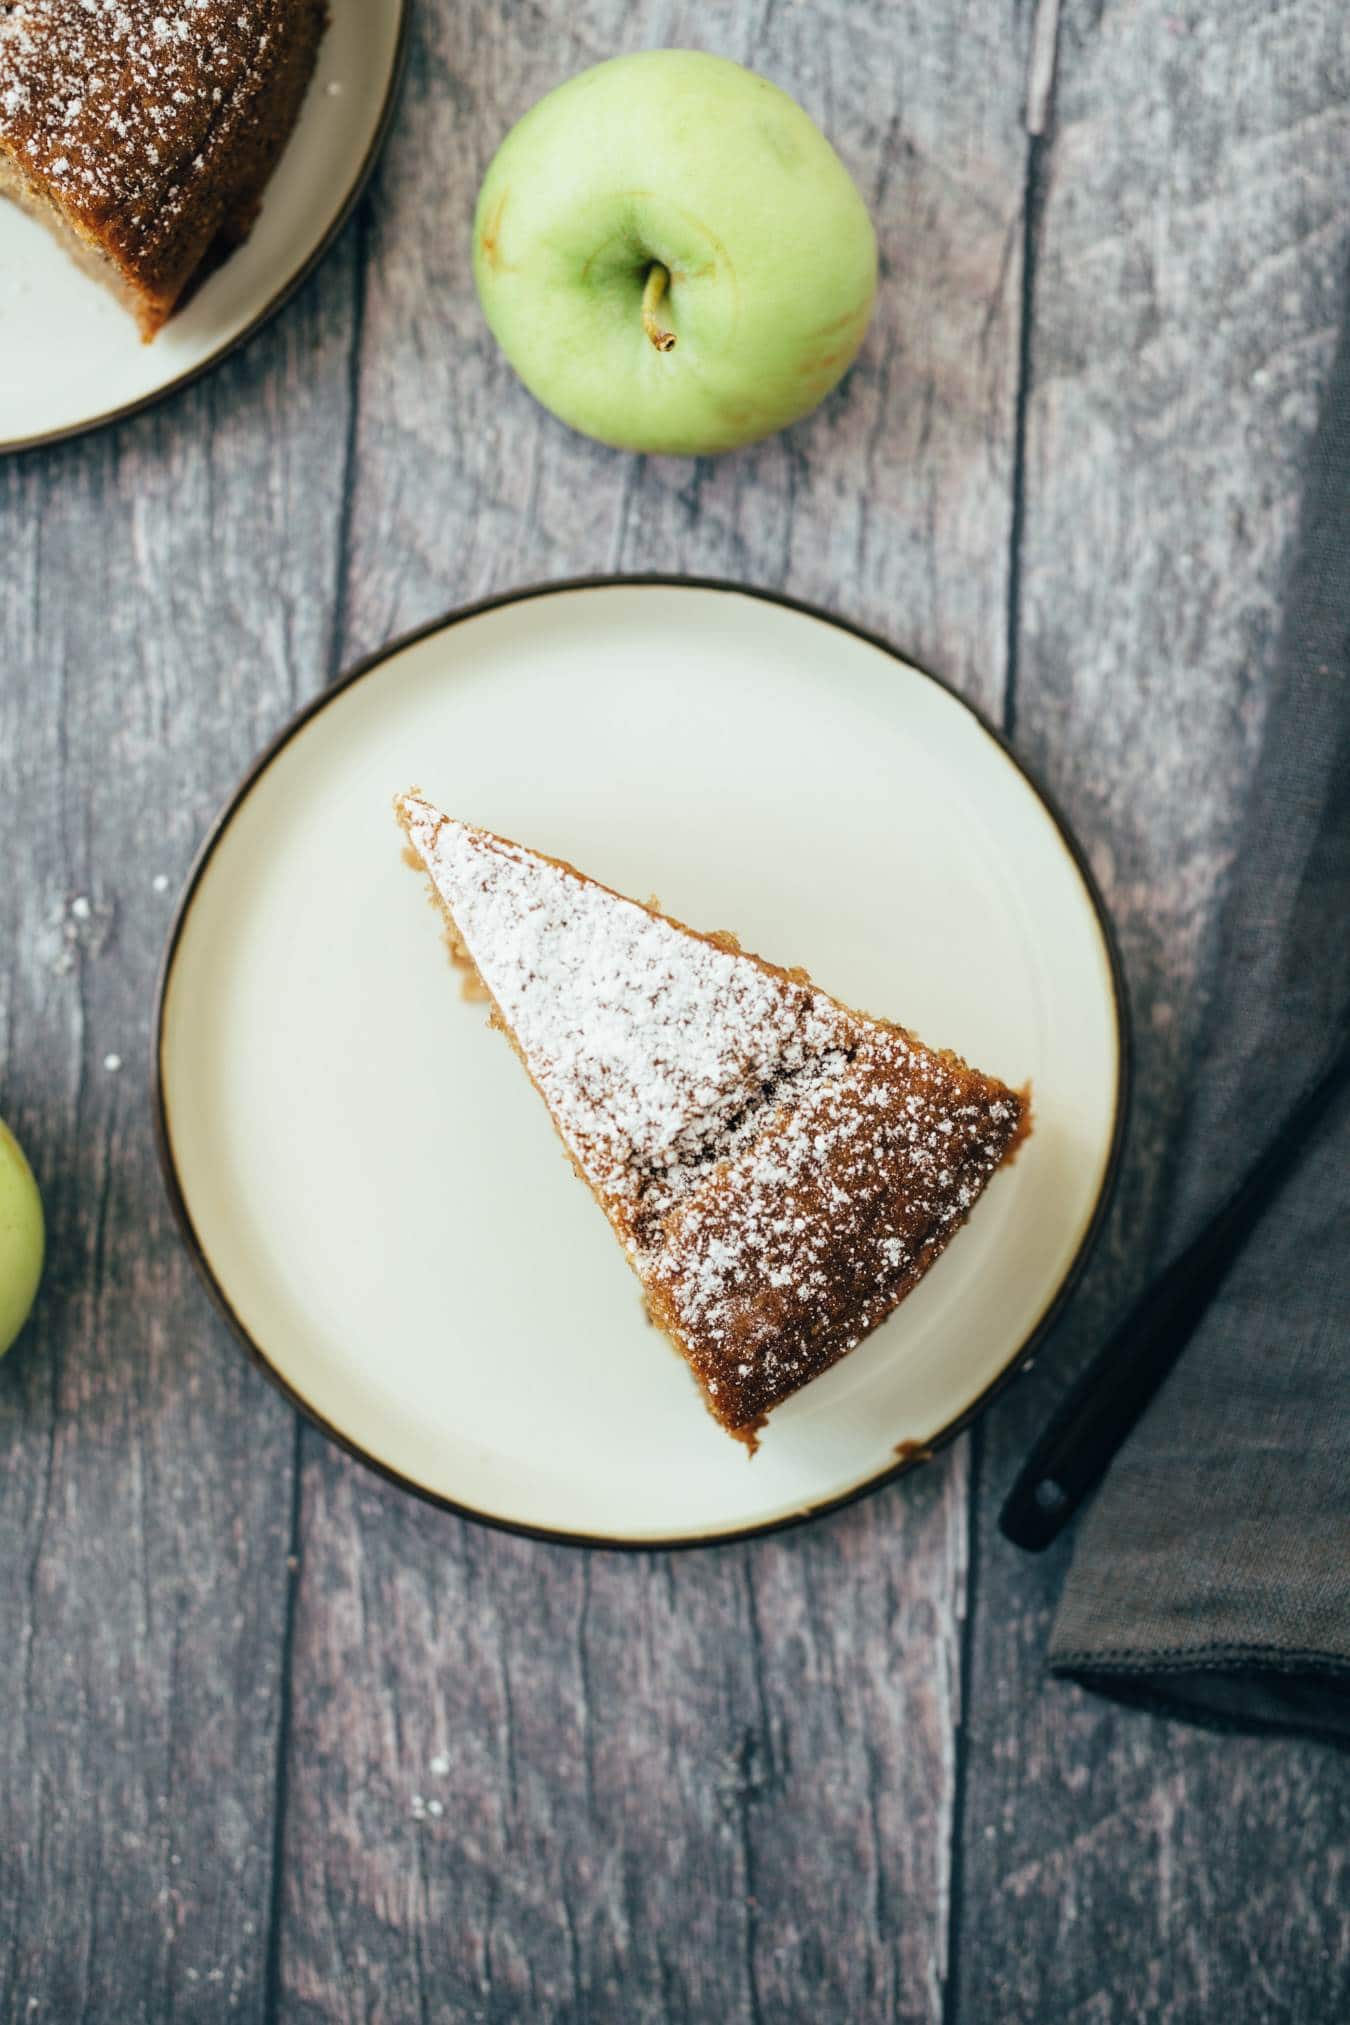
(791, 1169)
(150, 129)
(799, 1245)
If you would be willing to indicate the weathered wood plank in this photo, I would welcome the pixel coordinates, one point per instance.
(723, 1785)
(530, 1782)
(893, 500)
(1192, 245)
(166, 598)
(717, 1786)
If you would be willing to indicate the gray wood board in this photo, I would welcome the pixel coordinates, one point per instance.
(166, 595)
(717, 1787)
(722, 1786)
(791, 1779)
(1191, 246)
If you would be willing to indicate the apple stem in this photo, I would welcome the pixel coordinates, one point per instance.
(657, 279)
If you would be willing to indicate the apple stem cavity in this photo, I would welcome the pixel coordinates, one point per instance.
(658, 278)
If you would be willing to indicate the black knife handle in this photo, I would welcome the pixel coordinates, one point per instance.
(1088, 1427)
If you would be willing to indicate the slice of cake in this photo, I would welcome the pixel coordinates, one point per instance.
(143, 133)
(780, 1170)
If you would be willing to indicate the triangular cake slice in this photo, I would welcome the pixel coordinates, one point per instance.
(780, 1170)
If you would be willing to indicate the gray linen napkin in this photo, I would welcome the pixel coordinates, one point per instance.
(1211, 1576)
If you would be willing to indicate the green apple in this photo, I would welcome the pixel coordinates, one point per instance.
(672, 256)
(20, 1238)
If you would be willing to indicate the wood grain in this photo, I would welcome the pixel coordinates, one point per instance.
(820, 1777)
(893, 500)
(1190, 253)
(530, 1782)
(166, 594)
(717, 1786)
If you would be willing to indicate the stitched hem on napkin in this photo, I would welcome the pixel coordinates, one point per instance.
(1224, 1687)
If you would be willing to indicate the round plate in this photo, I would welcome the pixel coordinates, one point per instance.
(376, 1194)
(71, 357)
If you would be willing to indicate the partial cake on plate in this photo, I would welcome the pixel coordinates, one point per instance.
(780, 1170)
(144, 133)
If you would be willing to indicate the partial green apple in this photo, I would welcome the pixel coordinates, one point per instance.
(672, 256)
(21, 1238)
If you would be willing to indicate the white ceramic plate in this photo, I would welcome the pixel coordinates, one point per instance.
(70, 356)
(376, 1193)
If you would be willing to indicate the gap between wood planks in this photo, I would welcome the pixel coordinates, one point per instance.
(1040, 92)
(276, 1904)
(1038, 118)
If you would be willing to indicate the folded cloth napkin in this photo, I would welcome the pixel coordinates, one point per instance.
(1211, 1576)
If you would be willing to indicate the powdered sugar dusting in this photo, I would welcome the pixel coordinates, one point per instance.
(819, 1227)
(647, 1042)
(116, 102)
(782, 1170)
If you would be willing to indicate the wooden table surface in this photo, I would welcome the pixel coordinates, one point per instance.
(820, 1777)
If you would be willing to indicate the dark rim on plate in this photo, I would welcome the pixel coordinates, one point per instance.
(14, 446)
(916, 1454)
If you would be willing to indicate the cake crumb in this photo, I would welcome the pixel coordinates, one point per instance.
(913, 1452)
